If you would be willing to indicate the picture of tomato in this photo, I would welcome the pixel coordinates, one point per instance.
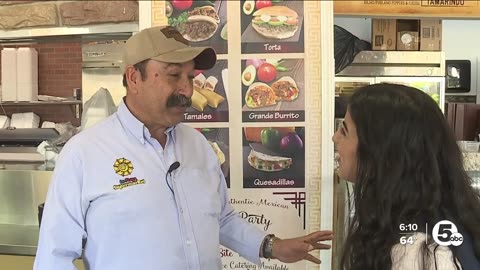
(182, 4)
(262, 4)
(266, 72)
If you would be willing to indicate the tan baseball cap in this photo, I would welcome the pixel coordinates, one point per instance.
(165, 44)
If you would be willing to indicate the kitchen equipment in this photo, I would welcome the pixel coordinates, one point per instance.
(458, 76)
(101, 62)
(422, 70)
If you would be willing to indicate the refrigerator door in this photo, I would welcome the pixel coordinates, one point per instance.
(434, 86)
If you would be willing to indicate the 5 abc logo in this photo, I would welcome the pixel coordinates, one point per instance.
(445, 233)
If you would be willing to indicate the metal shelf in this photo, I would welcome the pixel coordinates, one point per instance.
(32, 34)
(32, 103)
(76, 105)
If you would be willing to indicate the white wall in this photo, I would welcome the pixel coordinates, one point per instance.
(461, 40)
(360, 27)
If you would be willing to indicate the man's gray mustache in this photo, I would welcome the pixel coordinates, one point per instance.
(179, 100)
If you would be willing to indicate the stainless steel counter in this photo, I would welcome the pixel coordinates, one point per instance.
(22, 188)
(18, 239)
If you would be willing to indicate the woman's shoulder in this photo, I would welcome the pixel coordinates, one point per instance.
(416, 254)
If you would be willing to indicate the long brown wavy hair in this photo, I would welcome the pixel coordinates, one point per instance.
(410, 170)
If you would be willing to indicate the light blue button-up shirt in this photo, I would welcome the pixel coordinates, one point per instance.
(109, 188)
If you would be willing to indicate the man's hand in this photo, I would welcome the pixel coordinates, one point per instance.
(296, 249)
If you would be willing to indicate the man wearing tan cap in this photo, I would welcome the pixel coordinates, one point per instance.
(144, 191)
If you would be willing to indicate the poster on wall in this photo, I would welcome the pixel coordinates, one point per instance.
(275, 212)
(219, 141)
(272, 26)
(273, 90)
(210, 95)
(273, 157)
(203, 23)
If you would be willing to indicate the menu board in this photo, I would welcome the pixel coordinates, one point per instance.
(283, 213)
(219, 141)
(273, 157)
(272, 26)
(203, 23)
(210, 95)
(251, 107)
(273, 90)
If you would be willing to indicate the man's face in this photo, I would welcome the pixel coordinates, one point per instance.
(166, 92)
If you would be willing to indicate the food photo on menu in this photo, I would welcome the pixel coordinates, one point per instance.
(203, 23)
(274, 157)
(210, 95)
(273, 90)
(219, 141)
(272, 26)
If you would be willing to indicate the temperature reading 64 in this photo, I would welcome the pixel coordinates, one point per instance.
(407, 240)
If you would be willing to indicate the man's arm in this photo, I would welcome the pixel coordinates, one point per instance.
(63, 222)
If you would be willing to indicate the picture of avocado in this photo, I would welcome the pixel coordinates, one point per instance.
(248, 7)
(224, 33)
(168, 9)
(248, 75)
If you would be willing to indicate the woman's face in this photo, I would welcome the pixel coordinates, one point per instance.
(346, 141)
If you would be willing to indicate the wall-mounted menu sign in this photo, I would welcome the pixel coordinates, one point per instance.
(219, 141)
(272, 26)
(274, 157)
(210, 95)
(203, 23)
(423, 8)
(273, 90)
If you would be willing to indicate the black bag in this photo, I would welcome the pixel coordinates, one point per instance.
(347, 46)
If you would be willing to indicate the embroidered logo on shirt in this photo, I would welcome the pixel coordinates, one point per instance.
(124, 167)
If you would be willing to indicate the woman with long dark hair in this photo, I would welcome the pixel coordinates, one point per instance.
(396, 146)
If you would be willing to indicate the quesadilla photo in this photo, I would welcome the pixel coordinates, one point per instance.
(268, 163)
(260, 95)
(285, 88)
(276, 22)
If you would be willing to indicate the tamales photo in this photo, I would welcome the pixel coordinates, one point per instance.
(213, 98)
(199, 80)
(199, 102)
(211, 83)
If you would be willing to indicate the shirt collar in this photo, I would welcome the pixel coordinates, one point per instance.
(135, 126)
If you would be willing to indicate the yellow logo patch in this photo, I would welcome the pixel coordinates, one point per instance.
(124, 167)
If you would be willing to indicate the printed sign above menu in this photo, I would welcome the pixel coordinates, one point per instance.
(273, 90)
(219, 141)
(274, 157)
(272, 26)
(203, 23)
(210, 95)
(416, 8)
